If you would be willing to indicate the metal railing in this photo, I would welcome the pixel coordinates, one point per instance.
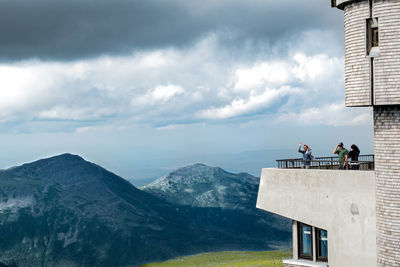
(365, 162)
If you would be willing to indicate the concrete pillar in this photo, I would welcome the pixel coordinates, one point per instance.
(295, 240)
(314, 247)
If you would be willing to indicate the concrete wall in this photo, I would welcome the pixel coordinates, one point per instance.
(341, 202)
(387, 166)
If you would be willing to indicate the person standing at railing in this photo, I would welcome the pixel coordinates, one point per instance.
(343, 154)
(353, 156)
(307, 156)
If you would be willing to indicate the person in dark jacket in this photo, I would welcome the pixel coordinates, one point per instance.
(353, 156)
(307, 155)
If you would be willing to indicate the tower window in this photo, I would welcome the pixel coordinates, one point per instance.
(372, 36)
(375, 37)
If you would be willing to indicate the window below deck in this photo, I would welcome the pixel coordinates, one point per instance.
(322, 245)
(307, 242)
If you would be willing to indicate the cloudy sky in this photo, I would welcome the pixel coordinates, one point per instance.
(142, 87)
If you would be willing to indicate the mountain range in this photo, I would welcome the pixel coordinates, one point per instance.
(65, 211)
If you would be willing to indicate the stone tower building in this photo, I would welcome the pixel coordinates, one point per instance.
(372, 78)
(350, 218)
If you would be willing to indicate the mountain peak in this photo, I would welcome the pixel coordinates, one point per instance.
(197, 165)
(62, 158)
(204, 186)
(195, 169)
(64, 168)
(65, 156)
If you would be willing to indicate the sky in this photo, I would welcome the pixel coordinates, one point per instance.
(144, 87)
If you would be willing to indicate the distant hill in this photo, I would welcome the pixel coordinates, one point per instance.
(199, 185)
(217, 198)
(65, 211)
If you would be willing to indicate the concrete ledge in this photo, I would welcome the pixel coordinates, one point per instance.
(341, 202)
(290, 263)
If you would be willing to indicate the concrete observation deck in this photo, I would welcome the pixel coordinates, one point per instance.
(339, 201)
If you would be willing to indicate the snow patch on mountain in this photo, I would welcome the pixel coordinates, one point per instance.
(188, 190)
(70, 237)
(16, 203)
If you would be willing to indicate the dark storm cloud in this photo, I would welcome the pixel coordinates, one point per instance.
(71, 29)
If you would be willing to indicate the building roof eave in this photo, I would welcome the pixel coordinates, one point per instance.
(341, 3)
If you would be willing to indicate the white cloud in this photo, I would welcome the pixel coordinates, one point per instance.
(170, 87)
(331, 114)
(76, 113)
(267, 73)
(20, 88)
(165, 93)
(241, 106)
(84, 129)
(169, 127)
(154, 59)
(161, 94)
(303, 80)
(320, 66)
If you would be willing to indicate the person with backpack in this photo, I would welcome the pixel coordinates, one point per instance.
(353, 156)
(307, 156)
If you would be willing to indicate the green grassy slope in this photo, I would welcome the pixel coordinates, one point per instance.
(228, 259)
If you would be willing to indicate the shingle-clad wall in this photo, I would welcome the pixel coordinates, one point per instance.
(387, 132)
(387, 64)
(387, 171)
(357, 64)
